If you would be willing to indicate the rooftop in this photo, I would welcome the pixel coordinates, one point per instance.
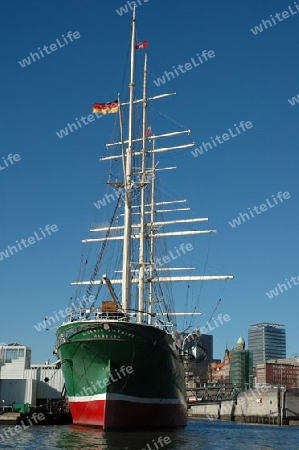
(266, 324)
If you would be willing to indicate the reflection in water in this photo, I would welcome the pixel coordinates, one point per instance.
(198, 435)
(80, 437)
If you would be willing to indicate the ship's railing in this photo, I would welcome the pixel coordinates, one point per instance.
(96, 313)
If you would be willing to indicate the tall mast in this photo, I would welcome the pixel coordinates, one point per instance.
(152, 248)
(126, 278)
(142, 199)
(147, 230)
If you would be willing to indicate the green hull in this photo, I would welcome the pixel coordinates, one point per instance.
(126, 362)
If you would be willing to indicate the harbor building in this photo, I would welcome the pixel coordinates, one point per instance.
(278, 372)
(236, 369)
(197, 369)
(219, 371)
(23, 382)
(241, 366)
(266, 341)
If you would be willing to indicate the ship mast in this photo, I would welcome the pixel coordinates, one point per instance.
(126, 268)
(142, 199)
(148, 229)
(152, 261)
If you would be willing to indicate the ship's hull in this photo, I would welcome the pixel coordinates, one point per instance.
(121, 374)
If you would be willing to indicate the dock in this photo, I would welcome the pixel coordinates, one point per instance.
(273, 406)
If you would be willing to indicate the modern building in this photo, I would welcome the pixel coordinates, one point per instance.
(22, 382)
(201, 355)
(197, 370)
(241, 367)
(266, 341)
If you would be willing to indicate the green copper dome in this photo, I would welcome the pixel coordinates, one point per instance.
(240, 341)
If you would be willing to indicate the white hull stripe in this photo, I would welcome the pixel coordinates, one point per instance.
(127, 398)
(87, 398)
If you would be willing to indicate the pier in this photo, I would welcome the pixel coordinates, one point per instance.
(267, 405)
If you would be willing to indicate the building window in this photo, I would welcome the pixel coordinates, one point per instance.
(11, 354)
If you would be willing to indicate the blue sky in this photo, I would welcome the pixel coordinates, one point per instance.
(57, 180)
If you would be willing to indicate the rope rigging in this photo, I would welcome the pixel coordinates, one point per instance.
(97, 265)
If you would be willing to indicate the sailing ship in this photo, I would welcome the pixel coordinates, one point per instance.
(123, 361)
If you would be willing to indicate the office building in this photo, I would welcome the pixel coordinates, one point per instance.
(266, 341)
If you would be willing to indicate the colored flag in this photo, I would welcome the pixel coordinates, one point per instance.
(148, 131)
(143, 44)
(105, 108)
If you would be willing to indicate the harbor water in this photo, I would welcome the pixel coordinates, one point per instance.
(198, 434)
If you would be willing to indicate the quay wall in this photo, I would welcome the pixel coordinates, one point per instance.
(205, 411)
(263, 405)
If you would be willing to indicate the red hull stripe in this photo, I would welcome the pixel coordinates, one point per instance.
(122, 414)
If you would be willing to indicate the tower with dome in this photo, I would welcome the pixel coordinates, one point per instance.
(241, 366)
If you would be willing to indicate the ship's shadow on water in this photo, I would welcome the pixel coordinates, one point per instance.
(81, 437)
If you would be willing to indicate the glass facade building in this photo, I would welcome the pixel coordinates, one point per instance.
(266, 341)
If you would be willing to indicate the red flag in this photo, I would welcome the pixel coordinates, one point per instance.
(148, 131)
(143, 44)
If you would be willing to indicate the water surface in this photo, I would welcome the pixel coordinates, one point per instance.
(198, 434)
